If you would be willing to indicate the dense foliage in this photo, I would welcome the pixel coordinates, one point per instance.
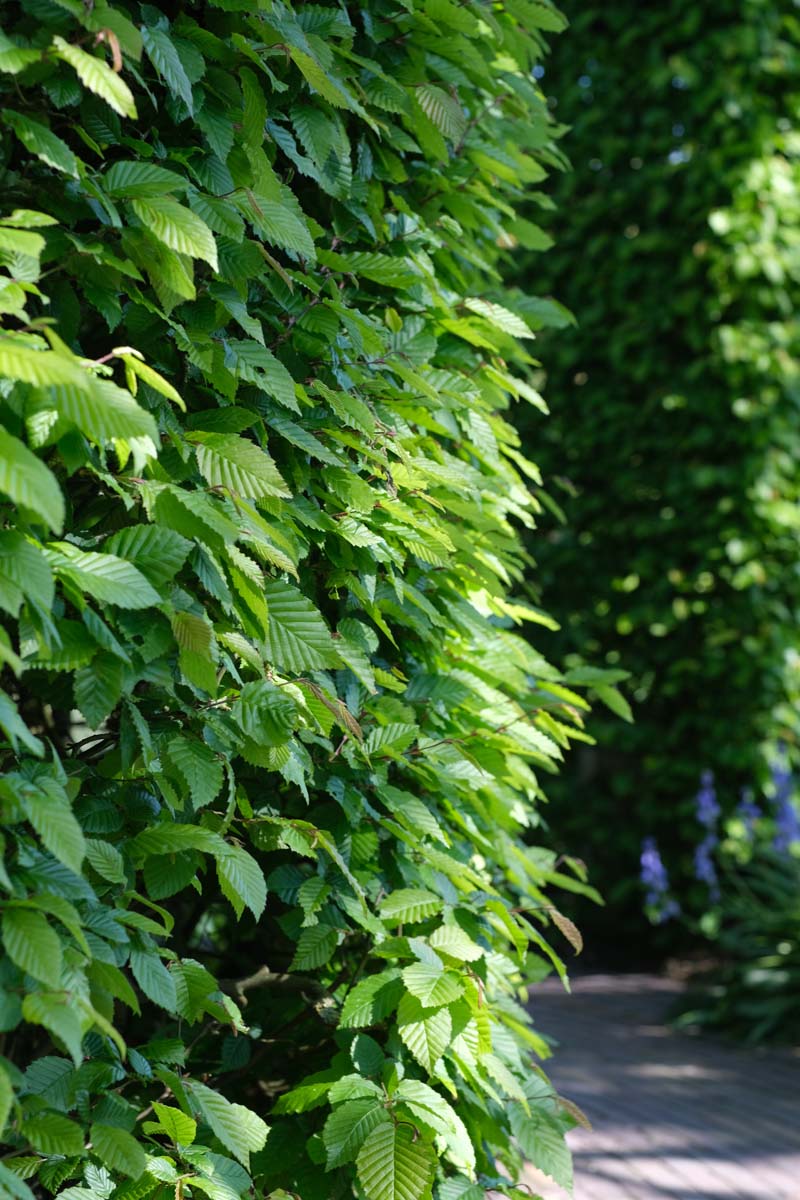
(674, 400)
(272, 882)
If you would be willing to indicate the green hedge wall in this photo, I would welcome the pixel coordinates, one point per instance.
(674, 427)
(273, 881)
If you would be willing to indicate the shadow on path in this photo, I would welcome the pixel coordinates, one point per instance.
(675, 1117)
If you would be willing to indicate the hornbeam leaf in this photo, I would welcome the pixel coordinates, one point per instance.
(27, 481)
(97, 77)
(426, 1032)
(103, 576)
(238, 465)
(395, 1165)
(42, 142)
(348, 1126)
(409, 905)
(128, 179)
(32, 945)
(299, 639)
(177, 227)
(237, 1127)
(118, 1149)
(433, 986)
(50, 813)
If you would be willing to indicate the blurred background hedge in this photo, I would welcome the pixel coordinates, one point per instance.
(675, 407)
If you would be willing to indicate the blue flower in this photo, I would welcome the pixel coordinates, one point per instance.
(704, 866)
(707, 807)
(787, 822)
(655, 879)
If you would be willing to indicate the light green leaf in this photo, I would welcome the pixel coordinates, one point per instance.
(541, 1140)
(6, 1098)
(395, 1165)
(199, 767)
(154, 979)
(42, 142)
(159, 553)
(177, 227)
(178, 1127)
(432, 985)
(409, 905)
(237, 1127)
(372, 999)
(97, 77)
(102, 411)
(426, 1032)
(131, 179)
(28, 482)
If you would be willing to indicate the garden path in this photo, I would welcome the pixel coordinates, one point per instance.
(675, 1117)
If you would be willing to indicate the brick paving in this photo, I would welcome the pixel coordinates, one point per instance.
(675, 1117)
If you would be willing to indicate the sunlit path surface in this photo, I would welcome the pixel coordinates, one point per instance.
(675, 1117)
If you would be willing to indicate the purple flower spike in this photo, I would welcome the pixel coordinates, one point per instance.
(707, 806)
(655, 879)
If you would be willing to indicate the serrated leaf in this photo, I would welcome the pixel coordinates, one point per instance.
(315, 947)
(50, 813)
(441, 108)
(432, 985)
(52, 1133)
(32, 945)
(154, 979)
(372, 999)
(394, 1165)
(179, 1128)
(99, 687)
(348, 1126)
(158, 553)
(238, 465)
(499, 316)
(451, 940)
(177, 227)
(131, 179)
(242, 880)
(42, 142)
(102, 411)
(104, 576)
(97, 77)
(409, 905)
(237, 1127)
(426, 1032)
(166, 60)
(542, 1141)
(118, 1149)
(199, 767)
(106, 860)
(28, 482)
(299, 639)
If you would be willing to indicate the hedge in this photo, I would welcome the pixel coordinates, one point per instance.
(674, 429)
(273, 877)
